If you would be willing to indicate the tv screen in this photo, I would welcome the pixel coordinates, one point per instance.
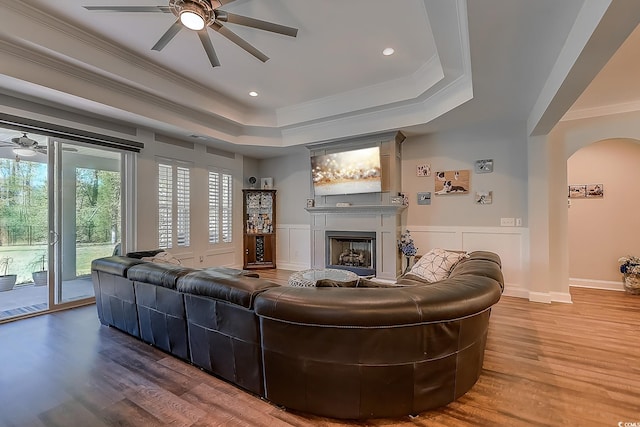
(348, 172)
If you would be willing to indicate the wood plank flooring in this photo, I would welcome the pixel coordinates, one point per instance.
(545, 365)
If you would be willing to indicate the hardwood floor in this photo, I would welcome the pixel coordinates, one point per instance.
(547, 365)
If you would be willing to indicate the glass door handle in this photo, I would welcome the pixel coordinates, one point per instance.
(54, 237)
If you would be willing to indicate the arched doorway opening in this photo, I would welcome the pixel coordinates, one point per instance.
(604, 201)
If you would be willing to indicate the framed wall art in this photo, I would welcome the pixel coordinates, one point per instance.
(424, 198)
(452, 182)
(484, 166)
(266, 183)
(423, 170)
(577, 191)
(484, 197)
(595, 191)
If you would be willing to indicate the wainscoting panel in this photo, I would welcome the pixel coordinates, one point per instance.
(293, 246)
(511, 243)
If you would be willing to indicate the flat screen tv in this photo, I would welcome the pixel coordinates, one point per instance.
(348, 172)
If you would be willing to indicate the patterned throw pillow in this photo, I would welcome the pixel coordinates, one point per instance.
(436, 264)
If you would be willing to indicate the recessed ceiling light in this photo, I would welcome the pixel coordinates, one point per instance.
(388, 51)
(253, 93)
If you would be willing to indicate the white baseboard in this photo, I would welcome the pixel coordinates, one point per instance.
(512, 290)
(542, 297)
(562, 297)
(596, 284)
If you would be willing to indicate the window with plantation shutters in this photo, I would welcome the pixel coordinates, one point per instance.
(165, 206)
(220, 207)
(174, 204)
(227, 211)
(183, 202)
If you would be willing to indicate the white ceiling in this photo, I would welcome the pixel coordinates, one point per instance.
(457, 63)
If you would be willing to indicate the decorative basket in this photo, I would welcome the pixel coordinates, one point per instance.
(631, 283)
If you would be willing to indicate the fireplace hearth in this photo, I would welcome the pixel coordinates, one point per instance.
(351, 250)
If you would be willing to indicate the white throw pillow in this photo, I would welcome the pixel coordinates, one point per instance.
(163, 258)
(436, 264)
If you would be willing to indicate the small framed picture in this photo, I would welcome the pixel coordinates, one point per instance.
(595, 191)
(423, 170)
(484, 166)
(424, 198)
(577, 191)
(484, 197)
(311, 203)
(266, 183)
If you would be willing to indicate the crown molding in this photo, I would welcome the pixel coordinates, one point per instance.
(604, 110)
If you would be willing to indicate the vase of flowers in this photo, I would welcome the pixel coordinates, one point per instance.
(408, 250)
(630, 268)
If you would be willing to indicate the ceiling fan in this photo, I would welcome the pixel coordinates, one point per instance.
(23, 146)
(198, 15)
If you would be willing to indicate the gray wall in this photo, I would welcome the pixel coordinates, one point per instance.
(292, 178)
(505, 143)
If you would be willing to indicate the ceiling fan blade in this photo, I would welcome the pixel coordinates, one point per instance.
(256, 23)
(239, 41)
(163, 9)
(168, 36)
(208, 47)
(225, 2)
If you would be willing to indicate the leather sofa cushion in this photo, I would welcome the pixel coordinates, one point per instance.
(236, 289)
(116, 265)
(233, 271)
(486, 256)
(165, 275)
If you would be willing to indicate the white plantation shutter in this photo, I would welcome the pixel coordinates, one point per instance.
(165, 206)
(183, 186)
(174, 204)
(227, 208)
(220, 207)
(214, 207)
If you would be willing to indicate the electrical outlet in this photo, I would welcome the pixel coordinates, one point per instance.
(507, 222)
(518, 222)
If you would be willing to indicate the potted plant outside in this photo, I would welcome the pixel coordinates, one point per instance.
(7, 281)
(41, 277)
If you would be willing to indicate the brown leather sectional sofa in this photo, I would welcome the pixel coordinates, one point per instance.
(337, 352)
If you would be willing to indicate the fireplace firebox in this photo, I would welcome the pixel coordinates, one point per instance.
(351, 250)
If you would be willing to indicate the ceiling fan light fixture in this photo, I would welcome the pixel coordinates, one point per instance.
(388, 51)
(193, 17)
(24, 152)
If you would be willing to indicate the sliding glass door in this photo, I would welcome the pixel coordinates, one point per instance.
(87, 217)
(24, 223)
(60, 208)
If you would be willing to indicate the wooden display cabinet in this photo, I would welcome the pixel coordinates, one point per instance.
(259, 214)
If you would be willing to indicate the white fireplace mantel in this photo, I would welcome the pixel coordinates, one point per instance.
(357, 209)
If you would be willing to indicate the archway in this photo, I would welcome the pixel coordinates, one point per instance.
(604, 198)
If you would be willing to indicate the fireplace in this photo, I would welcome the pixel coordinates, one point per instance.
(351, 250)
